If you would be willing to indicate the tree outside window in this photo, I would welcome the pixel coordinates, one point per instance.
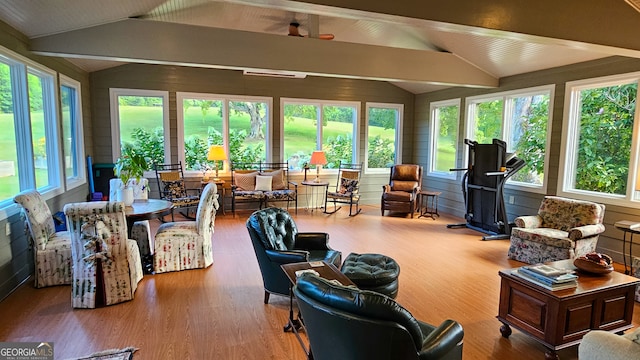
(521, 119)
(445, 116)
(603, 125)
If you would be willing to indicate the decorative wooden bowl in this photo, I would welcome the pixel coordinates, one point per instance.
(590, 266)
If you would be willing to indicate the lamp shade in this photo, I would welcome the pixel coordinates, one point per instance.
(216, 153)
(318, 158)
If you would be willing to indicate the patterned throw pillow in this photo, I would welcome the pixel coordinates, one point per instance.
(246, 181)
(278, 179)
(263, 183)
(348, 185)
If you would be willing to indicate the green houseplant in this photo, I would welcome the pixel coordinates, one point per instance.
(130, 165)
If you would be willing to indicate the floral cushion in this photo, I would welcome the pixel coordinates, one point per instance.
(348, 185)
(564, 214)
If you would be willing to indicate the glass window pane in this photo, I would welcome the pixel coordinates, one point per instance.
(337, 134)
(488, 121)
(38, 129)
(605, 134)
(446, 137)
(9, 180)
(202, 128)
(141, 125)
(528, 136)
(382, 126)
(300, 133)
(69, 117)
(247, 131)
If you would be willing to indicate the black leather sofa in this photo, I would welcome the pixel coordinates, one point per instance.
(343, 322)
(276, 241)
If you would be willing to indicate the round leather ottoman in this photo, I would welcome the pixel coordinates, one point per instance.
(373, 272)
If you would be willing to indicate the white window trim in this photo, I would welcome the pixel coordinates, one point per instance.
(114, 93)
(570, 129)
(505, 96)
(79, 180)
(180, 96)
(434, 128)
(398, 139)
(320, 103)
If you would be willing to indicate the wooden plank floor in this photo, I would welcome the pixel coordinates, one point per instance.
(217, 313)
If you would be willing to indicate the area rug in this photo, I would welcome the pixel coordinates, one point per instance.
(112, 354)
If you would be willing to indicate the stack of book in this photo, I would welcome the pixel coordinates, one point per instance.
(547, 276)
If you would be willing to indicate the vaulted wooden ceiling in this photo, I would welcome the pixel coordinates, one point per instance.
(418, 45)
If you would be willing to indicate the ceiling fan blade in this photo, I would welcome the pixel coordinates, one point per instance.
(326, 36)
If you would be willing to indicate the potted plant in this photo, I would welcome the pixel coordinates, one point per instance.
(130, 165)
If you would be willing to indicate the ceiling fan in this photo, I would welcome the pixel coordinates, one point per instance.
(294, 31)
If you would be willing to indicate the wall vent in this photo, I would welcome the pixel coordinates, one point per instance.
(275, 73)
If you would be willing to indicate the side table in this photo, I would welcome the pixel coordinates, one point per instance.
(425, 209)
(631, 227)
(221, 191)
(318, 191)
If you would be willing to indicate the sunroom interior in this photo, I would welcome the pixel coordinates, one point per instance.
(445, 72)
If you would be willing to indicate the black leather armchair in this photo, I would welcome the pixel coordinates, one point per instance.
(347, 323)
(276, 241)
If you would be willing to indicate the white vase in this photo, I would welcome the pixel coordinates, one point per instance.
(126, 195)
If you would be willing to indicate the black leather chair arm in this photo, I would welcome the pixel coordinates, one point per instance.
(312, 241)
(441, 340)
(289, 256)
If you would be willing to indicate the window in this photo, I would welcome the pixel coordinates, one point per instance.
(445, 116)
(384, 136)
(600, 139)
(310, 125)
(30, 156)
(204, 121)
(72, 134)
(141, 118)
(521, 118)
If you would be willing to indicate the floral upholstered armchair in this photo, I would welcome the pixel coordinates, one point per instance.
(563, 229)
(51, 249)
(187, 245)
(106, 265)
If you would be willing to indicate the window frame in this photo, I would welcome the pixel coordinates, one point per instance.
(114, 93)
(507, 97)
(78, 132)
(225, 98)
(566, 172)
(20, 67)
(398, 135)
(434, 127)
(321, 103)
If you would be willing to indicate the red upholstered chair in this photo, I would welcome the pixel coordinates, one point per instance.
(401, 194)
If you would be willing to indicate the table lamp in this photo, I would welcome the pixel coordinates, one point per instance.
(318, 159)
(216, 153)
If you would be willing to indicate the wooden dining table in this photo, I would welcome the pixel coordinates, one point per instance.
(146, 210)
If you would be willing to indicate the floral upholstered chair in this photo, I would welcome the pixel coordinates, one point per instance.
(187, 244)
(141, 231)
(563, 229)
(106, 265)
(51, 249)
